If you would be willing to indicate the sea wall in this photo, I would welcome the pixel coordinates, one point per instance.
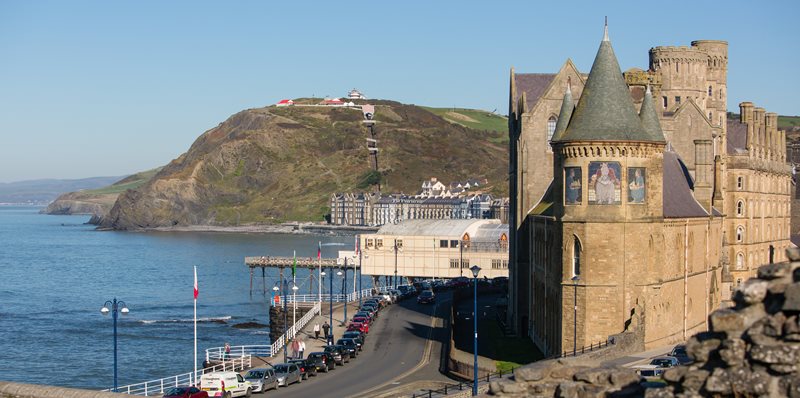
(19, 390)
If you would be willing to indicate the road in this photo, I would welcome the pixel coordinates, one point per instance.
(398, 340)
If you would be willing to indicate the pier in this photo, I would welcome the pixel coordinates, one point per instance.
(281, 263)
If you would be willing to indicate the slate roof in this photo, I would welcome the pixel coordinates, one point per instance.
(567, 107)
(605, 111)
(533, 85)
(679, 202)
(737, 137)
(649, 118)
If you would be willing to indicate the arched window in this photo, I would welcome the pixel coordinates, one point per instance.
(710, 91)
(739, 182)
(551, 127)
(739, 233)
(740, 208)
(576, 256)
(739, 261)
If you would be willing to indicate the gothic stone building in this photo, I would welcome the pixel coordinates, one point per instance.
(631, 193)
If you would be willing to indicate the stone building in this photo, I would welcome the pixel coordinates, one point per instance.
(635, 229)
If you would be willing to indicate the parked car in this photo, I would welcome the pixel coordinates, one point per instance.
(407, 291)
(324, 361)
(350, 345)
(287, 373)
(357, 336)
(397, 295)
(648, 371)
(679, 351)
(360, 319)
(358, 327)
(225, 384)
(185, 392)
(665, 362)
(262, 379)
(307, 367)
(364, 314)
(340, 354)
(437, 285)
(426, 297)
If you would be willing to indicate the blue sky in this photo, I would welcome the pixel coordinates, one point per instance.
(91, 88)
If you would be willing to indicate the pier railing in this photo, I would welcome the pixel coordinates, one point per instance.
(292, 331)
(337, 297)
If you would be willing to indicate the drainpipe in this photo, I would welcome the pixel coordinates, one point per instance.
(685, 276)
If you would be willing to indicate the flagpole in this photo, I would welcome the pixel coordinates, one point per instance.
(294, 291)
(194, 375)
(319, 276)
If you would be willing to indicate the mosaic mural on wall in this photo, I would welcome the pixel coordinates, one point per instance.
(604, 183)
(636, 184)
(573, 189)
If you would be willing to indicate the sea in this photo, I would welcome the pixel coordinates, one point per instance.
(57, 272)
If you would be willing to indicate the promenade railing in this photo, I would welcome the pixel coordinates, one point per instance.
(337, 297)
(294, 329)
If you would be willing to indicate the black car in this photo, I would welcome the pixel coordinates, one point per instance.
(679, 351)
(340, 354)
(324, 361)
(308, 367)
(351, 345)
(426, 297)
(365, 314)
(357, 336)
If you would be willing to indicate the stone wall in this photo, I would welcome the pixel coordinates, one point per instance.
(19, 390)
(751, 349)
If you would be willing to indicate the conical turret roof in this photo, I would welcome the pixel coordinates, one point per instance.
(649, 118)
(567, 106)
(605, 111)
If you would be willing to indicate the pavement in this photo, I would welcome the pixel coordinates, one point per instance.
(640, 358)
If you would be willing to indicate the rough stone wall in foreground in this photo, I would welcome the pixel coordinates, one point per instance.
(751, 350)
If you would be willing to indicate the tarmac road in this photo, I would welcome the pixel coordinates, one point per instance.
(395, 346)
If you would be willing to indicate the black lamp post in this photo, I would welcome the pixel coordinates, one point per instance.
(575, 280)
(330, 295)
(475, 270)
(344, 289)
(116, 307)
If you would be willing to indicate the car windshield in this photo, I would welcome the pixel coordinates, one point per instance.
(281, 368)
(175, 391)
(351, 335)
(679, 351)
(426, 293)
(663, 362)
(330, 349)
(254, 374)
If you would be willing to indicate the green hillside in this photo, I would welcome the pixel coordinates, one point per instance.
(131, 182)
(474, 119)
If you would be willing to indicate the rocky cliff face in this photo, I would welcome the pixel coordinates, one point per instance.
(81, 203)
(272, 164)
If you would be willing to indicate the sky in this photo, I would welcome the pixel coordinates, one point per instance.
(98, 88)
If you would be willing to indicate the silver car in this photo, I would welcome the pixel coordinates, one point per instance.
(262, 379)
(287, 373)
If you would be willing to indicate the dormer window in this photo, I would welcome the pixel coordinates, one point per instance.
(551, 127)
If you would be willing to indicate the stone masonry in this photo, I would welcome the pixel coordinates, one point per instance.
(751, 350)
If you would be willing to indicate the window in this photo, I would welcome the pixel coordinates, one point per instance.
(710, 116)
(454, 243)
(453, 263)
(369, 243)
(739, 182)
(739, 261)
(378, 243)
(398, 243)
(740, 208)
(664, 102)
(576, 256)
(710, 92)
(677, 100)
(465, 263)
(443, 244)
(739, 233)
(551, 127)
(677, 69)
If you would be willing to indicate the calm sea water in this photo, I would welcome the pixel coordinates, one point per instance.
(56, 273)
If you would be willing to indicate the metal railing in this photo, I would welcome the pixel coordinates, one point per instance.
(256, 350)
(292, 331)
(464, 386)
(157, 387)
(337, 297)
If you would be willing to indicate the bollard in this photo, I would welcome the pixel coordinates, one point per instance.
(445, 389)
(430, 393)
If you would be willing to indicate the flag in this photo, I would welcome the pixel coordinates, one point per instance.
(195, 282)
(358, 244)
(294, 264)
(319, 251)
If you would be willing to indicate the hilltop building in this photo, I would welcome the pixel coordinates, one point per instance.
(355, 94)
(631, 193)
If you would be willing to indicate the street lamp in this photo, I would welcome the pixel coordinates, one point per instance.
(330, 310)
(285, 315)
(116, 307)
(475, 270)
(575, 280)
(344, 289)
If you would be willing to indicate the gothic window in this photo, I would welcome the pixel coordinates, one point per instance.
(664, 102)
(739, 261)
(551, 127)
(677, 100)
(739, 182)
(710, 116)
(739, 233)
(740, 208)
(709, 91)
(576, 256)
(720, 93)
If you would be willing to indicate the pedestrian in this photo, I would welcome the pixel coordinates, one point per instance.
(316, 331)
(302, 348)
(295, 348)
(227, 351)
(325, 329)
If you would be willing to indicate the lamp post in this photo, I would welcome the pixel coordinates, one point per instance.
(344, 289)
(575, 280)
(285, 315)
(475, 270)
(395, 263)
(116, 307)
(330, 310)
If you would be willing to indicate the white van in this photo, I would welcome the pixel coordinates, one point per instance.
(225, 385)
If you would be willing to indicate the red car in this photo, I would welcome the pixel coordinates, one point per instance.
(358, 326)
(185, 392)
(360, 319)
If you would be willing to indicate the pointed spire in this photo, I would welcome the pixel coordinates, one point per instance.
(649, 118)
(567, 106)
(605, 31)
(605, 111)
